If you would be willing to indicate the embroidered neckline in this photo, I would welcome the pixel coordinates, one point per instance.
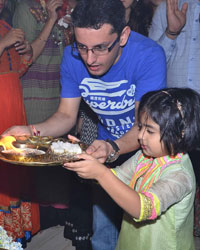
(151, 169)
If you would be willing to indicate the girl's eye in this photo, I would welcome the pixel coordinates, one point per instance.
(149, 131)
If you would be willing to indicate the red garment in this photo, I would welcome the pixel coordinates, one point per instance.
(15, 180)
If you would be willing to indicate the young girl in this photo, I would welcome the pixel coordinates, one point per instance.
(156, 186)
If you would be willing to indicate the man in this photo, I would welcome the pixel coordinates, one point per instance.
(110, 67)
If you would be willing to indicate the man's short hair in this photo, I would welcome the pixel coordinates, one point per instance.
(95, 13)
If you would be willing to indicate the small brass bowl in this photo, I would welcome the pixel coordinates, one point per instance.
(17, 144)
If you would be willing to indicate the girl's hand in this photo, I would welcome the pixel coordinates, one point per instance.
(52, 6)
(88, 167)
(12, 37)
(176, 18)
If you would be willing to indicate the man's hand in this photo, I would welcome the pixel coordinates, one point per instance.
(100, 150)
(176, 18)
(17, 130)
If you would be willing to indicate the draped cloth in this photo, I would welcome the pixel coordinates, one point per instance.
(18, 215)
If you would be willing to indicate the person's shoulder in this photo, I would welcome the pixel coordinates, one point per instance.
(143, 44)
(24, 5)
(72, 59)
(136, 39)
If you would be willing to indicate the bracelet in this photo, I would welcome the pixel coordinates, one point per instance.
(43, 40)
(24, 61)
(169, 32)
(34, 131)
(115, 154)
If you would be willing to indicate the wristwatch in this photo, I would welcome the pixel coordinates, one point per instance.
(115, 154)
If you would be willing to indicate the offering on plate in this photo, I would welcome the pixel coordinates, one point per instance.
(39, 150)
(60, 147)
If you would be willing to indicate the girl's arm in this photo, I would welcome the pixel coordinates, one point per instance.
(122, 194)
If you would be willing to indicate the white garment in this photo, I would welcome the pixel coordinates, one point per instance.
(183, 53)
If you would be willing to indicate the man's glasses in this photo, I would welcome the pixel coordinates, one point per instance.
(98, 50)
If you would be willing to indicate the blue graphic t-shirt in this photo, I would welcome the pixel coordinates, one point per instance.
(141, 68)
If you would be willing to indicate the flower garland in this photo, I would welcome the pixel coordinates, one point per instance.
(6, 242)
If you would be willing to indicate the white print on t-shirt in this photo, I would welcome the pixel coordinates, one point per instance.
(113, 102)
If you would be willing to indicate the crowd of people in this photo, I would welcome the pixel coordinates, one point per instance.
(121, 75)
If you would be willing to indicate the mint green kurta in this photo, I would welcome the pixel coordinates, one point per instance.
(173, 229)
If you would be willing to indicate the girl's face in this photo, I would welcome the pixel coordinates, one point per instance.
(149, 137)
(127, 3)
(2, 4)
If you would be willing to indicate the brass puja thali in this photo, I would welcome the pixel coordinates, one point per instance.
(39, 150)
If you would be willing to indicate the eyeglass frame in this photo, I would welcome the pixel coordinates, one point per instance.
(92, 49)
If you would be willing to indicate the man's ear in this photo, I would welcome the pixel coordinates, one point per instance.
(124, 35)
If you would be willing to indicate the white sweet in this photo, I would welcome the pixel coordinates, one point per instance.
(61, 147)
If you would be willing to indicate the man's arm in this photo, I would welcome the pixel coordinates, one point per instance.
(58, 124)
(127, 143)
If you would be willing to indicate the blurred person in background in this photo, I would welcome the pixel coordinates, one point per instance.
(18, 215)
(47, 27)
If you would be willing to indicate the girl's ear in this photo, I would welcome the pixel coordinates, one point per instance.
(124, 35)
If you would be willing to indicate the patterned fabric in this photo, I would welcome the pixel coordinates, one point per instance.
(12, 62)
(151, 170)
(41, 84)
(15, 181)
(17, 220)
(89, 128)
(174, 190)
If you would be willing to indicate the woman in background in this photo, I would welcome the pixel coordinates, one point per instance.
(18, 216)
(46, 24)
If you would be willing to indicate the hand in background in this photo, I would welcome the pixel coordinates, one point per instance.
(51, 9)
(14, 36)
(176, 18)
(52, 6)
(24, 48)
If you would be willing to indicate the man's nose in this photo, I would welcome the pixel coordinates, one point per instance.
(91, 57)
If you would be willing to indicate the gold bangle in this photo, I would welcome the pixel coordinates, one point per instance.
(24, 61)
